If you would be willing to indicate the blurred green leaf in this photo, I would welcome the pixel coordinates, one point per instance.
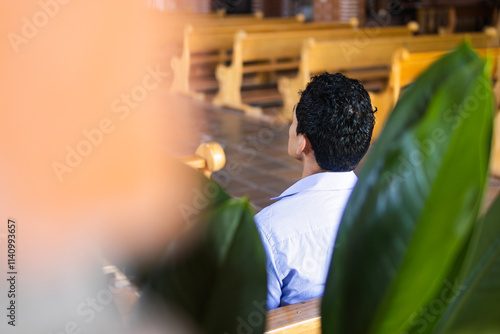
(417, 199)
(139, 271)
(214, 275)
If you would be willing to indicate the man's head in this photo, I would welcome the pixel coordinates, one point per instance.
(336, 117)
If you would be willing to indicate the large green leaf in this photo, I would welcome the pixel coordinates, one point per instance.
(417, 198)
(468, 301)
(476, 310)
(214, 275)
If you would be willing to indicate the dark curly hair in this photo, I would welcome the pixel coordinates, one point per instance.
(336, 115)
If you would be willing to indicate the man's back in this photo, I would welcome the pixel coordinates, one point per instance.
(298, 233)
(330, 133)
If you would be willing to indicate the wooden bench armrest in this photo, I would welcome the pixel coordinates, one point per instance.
(495, 152)
(304, 317)
(209, 157)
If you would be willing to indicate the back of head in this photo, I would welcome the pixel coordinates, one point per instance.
(336, 115)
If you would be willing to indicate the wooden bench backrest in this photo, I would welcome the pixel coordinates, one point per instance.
(175, 21)
(200, 42)
(337, 55)
(217, 38)
(321, 57)
(267, 25)
(362, 56)
(262, 46)
(405, 69)
(409, 65)
(234, 21)
(447, 42)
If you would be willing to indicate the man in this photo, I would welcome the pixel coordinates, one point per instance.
(330, 133)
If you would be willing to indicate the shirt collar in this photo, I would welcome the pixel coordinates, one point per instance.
(321, 182)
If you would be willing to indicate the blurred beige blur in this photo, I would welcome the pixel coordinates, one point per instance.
(85, 122)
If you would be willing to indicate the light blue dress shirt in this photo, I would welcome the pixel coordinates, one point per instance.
(298, 233)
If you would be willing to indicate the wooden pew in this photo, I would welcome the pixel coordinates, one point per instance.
(300, 318)
(495, 151)
(212, 42)
(208, 158)
(406, 67)
(369, 61)
(209, 45)
(266, 52)
(274, 25)
(172, 24)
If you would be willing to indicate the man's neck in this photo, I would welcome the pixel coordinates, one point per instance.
(310, 167)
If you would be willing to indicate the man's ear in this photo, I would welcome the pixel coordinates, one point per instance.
(302, 144)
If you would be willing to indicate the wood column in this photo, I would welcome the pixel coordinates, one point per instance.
(339, 10)
(257, 6)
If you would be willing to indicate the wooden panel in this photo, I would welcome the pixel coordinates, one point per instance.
(300, 318)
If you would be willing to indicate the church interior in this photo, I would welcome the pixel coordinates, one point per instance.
(113, 112)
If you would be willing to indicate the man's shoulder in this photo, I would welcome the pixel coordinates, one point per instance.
(275, 211)
(303, 211)
(266, 215)
(283, 214)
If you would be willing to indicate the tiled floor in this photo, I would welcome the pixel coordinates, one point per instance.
(258, 165)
